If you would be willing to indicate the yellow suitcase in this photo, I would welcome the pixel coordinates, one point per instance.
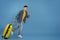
(7, 31)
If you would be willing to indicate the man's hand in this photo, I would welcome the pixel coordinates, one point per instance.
(29, 15)
(14, 19)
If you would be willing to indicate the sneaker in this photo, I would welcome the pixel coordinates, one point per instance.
(12, 32)
(19, 36)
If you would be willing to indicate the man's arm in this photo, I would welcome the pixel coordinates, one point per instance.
(19, 14)
(28, 15)
(16, 17)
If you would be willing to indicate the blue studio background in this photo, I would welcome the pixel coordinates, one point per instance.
(44, 23)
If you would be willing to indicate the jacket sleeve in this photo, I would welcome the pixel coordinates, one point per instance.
(19, 14)
(27, 15)
(16, 16)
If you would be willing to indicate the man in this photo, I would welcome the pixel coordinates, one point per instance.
(21, 18)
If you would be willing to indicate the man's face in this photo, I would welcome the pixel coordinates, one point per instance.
(25, 8)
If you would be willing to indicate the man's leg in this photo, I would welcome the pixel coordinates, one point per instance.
(15, 28)
(20, 30)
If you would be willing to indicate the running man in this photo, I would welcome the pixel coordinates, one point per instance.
(21, 18)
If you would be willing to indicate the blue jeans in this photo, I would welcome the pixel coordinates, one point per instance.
(19, 26)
